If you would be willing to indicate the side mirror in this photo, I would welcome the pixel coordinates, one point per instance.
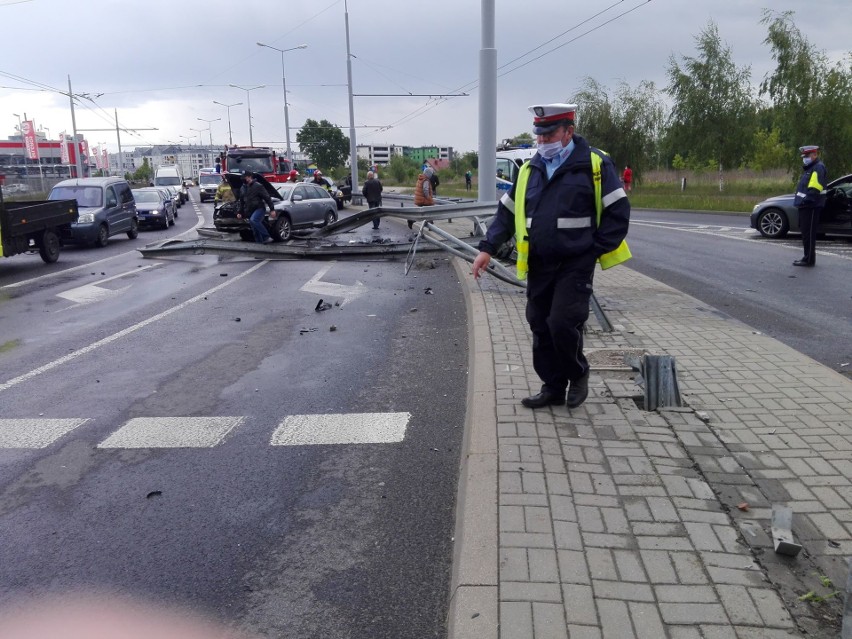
(298, 198)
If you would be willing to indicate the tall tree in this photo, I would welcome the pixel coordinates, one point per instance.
(811, 98)
(627, 125)
(324, 142)
(713, 116)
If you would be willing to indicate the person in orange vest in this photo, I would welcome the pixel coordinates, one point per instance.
(423, 195)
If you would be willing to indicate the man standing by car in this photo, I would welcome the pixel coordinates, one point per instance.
(255, 201)
(568, 211)
(372, 192)
(810, 200)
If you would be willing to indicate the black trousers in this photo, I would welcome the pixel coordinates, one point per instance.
(374, 205)
(808, 222)
(557, 309)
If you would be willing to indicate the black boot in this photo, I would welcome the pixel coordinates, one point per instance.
(544, 398)
(578, 391)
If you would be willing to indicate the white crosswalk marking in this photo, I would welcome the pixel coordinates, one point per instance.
(210, 431)
(356, 428)
(34, 433)
(172, 432)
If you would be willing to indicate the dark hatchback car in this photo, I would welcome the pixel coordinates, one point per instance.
(297, 206)
(154, 208)
(777, 216)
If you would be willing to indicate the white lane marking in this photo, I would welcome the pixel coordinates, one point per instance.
(172, 432)
(347, 293)
(67, 270)
(355, 428)
(35, 433)
(123, 333)
(89, 293)
(826, 253)
(198, 224)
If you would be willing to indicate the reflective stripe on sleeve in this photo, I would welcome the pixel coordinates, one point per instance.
(508, 202)
(529, 222)
(573, 222)
(612, 197)
(800, 194)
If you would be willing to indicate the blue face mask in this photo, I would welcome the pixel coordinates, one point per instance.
(549, 150)
(807, 161)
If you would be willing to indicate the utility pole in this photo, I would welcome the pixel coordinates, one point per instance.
(487, 105)
(353, 148)
(77, 162)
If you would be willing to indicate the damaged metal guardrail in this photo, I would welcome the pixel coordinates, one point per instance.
(324, 243)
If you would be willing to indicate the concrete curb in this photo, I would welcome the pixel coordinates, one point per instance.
(474, 589)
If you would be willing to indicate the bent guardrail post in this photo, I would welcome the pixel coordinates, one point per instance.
(782, 531)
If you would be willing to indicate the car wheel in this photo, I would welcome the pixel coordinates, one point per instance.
(103, 236)
(166, 222)
(282, 229)
(133, 233)
(773, 223)
(49, 249)
(247, 235)
(330, 217)
(173, 219)
(175, 214)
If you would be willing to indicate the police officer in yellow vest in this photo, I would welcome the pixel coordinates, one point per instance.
(810, 200)
(568, 212)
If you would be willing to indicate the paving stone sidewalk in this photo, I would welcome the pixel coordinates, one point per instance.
(609, 521)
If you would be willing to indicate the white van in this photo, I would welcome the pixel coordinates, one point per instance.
(170, 175)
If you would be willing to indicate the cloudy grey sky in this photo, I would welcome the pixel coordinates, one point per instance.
(162, 63)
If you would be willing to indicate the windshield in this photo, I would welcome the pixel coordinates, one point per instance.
(241, 164)
(210, 179)
(146, 196)
(86, 196)
(285, 190)
(167, 181)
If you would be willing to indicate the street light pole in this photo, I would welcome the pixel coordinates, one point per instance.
(248, 99)
(284, 86)
(200, 139)
(228, 107)
(209, 127)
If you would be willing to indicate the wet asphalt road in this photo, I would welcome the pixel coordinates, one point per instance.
(720, 261)
(282, 541)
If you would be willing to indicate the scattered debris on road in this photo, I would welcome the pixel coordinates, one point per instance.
(782, 531)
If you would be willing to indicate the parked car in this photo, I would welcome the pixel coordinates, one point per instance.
(154, 208)
(341, 192)
(106, 208)
(296, 206)
(776, 216)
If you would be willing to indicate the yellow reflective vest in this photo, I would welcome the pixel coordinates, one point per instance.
(522, 244)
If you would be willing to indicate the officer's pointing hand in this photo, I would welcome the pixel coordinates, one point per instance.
(480, 264)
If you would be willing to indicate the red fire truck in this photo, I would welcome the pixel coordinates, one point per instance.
(257, 159)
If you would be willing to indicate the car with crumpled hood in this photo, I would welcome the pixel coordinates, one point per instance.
(297, 206)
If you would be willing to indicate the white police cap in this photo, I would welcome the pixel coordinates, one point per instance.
(549, 116)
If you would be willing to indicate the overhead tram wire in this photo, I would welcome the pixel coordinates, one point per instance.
(473, 85)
